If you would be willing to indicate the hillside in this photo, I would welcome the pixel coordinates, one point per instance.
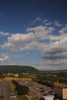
(17, 69)
(53, 71)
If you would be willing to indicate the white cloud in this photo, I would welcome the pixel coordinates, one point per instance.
(32, 39)
(53, 47)
(52, 50)
(52, 65)
(27, 41)
(48, 23)
(37, 19)
(57, 23)
(41, 31)
(63, 30)
(44, 68)
(51, 23)
(21, 37)
(3, 57)
(4, 34)
(45, 20)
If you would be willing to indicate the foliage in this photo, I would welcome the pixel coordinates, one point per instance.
(49, 78)
(21, 89)
(2, 75)
(17, 69)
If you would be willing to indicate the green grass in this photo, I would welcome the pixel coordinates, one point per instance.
(12, 86)
(22, 97)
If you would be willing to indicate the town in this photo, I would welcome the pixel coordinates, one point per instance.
(33, 49)
(33, 86)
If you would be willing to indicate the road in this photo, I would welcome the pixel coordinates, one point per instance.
(6, 92)
(36, 90)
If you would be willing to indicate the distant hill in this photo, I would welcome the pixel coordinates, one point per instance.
(25, 69)
(52, 71)
(17, 69)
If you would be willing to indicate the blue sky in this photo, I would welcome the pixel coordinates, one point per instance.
(34, 32)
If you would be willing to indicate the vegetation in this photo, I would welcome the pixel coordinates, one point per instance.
(47, 78)
(17, 69)
(20, 89)
(2, 75)
(19, 97)
(51, 79)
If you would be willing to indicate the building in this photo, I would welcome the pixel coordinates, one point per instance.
(16, 75)
(60, 93)
(49, 97)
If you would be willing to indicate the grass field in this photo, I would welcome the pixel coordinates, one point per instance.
(13, 78)
(59, 84)
(22, 97)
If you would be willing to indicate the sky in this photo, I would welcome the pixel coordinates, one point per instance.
(34, 33)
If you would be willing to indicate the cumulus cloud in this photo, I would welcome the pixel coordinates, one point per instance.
(55, 50)
(56, 23)
(52, 23)
(63, 30)
(52, 47)
(48, 23)
(3, 57)
(52, 65)
(37, 19)
(21, 37)
(45, 20)
(4, 34)
(29, 40)
(41, 31)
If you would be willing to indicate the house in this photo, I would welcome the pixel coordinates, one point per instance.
(60, 92)
(16, 75)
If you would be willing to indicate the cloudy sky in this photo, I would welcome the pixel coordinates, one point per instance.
(34, 32)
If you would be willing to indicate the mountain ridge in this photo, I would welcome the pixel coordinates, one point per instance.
(17, 69)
